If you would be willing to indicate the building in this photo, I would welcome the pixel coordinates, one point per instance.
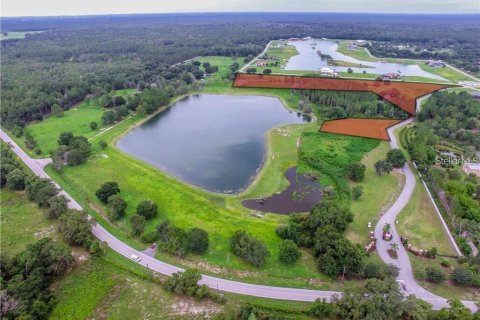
(391, 76)
(261, 63)
(436, 63)
(327, 72)
(472, 168)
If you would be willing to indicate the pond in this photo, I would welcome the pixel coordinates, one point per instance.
(308, 59)
(303, 193)
(215, 142)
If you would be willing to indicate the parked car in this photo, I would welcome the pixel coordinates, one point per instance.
(135, 258)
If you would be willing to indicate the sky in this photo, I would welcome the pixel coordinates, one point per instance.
(15, 8)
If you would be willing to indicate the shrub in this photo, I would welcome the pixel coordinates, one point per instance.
(117, 206)
(288, 252)
(249, 248)
(147, 208)
(107, 190)
(149, 237)
(197, 240)
(434, 275)
(396, 158)
(463, 245)
(322, 309)
(186, 283)
(74, 227)
(431, 253)
(357, 192)
(445, 263)
(172, 239)
(58, 205)
(356, 171)
(138, 224)
(462, 276)
(93, 125)
(102, 144)
(16, 180)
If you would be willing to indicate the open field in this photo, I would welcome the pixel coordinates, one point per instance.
(22, 222)
(369, 128)
(372, 204)
(76, 120)
(13, 35)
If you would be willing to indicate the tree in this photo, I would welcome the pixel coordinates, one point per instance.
(102, 144)
(288, 252)
(396, 158)
(141, 110)
(106, 190)
(206, 64)
(148, 209)
(118, 101)
(58, 205)
(108, 117)
(198, 74)
(75, 227)
(172, 239)
(329, 212)
(16, 180)
(379, 299)
(434, 275)
(382, 167)
(57, 110)
(117, 206)
(356, 171)
(357, 192)
(249, 248)
(138, 224)
(40, 191)
(196, 63)
(462, 276)
(93, 125)
(65, 138)
(350, 70)
(267, 71)
(186, 283)
(251, 70)
(197, 240)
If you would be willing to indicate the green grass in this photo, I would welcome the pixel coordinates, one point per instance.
(16, 35)
(327, 156)
(22, 222)
(372, 204)
(419, 222)
(77, 120)
(447, 72)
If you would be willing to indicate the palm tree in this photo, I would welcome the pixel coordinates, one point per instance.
(394, 246)
(387, 227)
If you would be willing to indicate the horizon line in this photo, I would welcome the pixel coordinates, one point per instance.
(241, 12)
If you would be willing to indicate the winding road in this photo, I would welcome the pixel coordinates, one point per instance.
(403, 262)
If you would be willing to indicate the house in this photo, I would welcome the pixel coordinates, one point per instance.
(391, 76)
(472, 168)
(261, 63)
(327, 72)
(436, 63)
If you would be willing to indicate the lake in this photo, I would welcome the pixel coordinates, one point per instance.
(215, 142)
(308, 59)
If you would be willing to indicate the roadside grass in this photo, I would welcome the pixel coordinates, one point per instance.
(22, 223)
(447, 72)
(112, 287)
(373, 204)
(77, 120)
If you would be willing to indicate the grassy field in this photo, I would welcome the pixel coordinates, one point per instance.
(22, 222)
(16, 35)
(372, 204)
(77, 120)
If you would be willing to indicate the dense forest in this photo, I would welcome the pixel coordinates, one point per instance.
(77, 57)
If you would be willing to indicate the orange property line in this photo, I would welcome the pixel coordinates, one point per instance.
(401, 94)
(369, 128)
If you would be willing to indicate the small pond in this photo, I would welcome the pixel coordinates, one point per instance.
(215, 142)
(308, 59)
(303, 193)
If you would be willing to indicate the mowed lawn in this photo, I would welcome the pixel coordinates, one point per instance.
(76, 120)
(379, 193)
(22, 223)
(419, 222)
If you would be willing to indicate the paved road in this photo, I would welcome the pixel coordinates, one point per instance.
(254, 59)
(291, 294)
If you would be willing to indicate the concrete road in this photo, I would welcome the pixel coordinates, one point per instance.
(291, 294)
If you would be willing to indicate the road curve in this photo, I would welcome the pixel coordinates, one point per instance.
(292, 294)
